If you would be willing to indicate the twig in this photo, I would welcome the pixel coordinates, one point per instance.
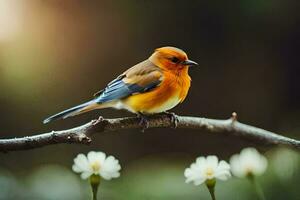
(82, 134)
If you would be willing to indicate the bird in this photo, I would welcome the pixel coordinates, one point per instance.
(152, 86)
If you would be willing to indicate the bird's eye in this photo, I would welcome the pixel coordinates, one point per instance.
(174, 59)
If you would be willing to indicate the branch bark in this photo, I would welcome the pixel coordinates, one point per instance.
(82, 134)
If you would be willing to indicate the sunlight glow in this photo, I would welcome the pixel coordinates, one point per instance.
(10, 19)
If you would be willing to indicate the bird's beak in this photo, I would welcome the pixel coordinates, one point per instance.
(189, 63)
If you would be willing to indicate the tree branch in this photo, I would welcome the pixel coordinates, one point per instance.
(83, 133)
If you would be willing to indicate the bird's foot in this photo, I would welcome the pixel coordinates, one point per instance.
(173, 117)
(143, 121)
(97, 121)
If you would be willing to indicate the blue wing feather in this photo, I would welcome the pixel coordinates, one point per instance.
(118, 89)
(142, 77)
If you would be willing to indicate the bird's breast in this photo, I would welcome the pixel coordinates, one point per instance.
(172, 90)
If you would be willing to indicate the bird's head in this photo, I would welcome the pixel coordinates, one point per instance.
(171, 58)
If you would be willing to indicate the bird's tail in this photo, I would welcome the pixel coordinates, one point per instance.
(85, 107)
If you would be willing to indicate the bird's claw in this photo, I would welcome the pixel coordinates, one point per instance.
(143, 122)
(173, 117)
(96, 121)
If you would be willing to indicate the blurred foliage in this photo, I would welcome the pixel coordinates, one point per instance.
(56, 54)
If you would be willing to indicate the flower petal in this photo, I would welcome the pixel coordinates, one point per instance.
(110, 168)
(199, 181)
(92, 156)
(201, 160)
(82, 163)
(75, 168)
(194, 174)
(85, 175)
(100, 157)
(212, 161)
(249, 161)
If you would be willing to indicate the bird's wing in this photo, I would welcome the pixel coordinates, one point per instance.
(140, 78)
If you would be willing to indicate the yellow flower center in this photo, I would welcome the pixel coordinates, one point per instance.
(95, 166)
(209, 171)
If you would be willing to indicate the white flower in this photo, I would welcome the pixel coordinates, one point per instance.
(248, 162)
(205, 169)
(291, 160)
(98, 164)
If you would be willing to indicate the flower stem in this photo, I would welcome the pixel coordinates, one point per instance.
(257, 188)
(212, 192)
(94, 181)
(211, 188)
(94, 192)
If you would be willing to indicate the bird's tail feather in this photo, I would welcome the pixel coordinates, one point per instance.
(85, 107)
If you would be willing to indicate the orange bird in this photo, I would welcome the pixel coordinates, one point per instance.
(152, 86)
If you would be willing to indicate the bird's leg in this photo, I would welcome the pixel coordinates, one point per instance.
(173, 117)
(143, 121)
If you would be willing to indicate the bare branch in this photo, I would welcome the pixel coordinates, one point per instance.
(82, 134)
